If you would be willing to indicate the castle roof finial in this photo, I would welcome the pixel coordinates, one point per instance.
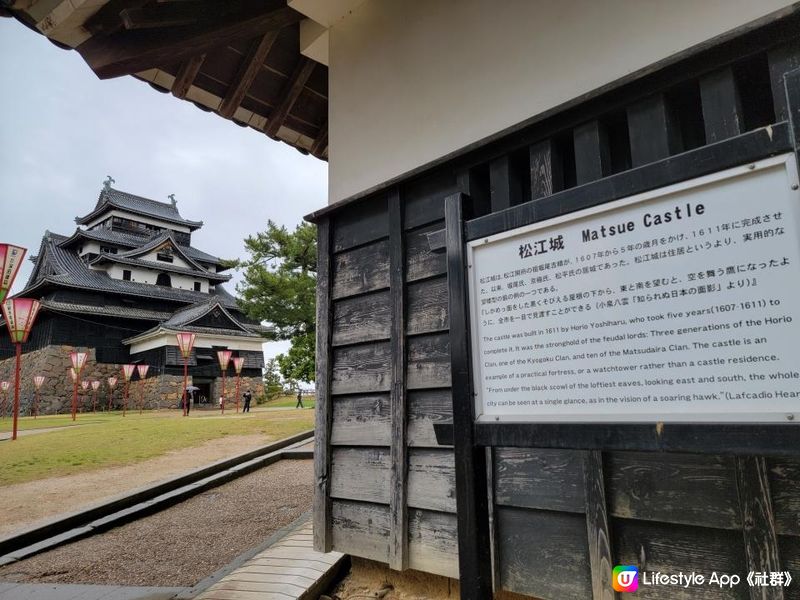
(107, 183)
(172, 199)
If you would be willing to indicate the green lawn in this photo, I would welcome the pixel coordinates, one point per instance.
(103, 440)
(290, 402)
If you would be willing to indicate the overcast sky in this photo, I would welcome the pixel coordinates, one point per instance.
(63, 130)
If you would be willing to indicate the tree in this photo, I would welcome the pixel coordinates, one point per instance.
(273, 386)
(279, 287)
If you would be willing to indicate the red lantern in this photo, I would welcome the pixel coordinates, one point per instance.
(78, 361)
(185, 344)
(20, 314)
(142, 369)
(95, 387)
(112, 383)
(4, 386)
(38, 382)
(10, 261)
(127, 373)
(224, 358)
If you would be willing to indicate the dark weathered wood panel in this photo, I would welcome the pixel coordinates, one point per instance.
(359, 369)
(505, 187)
(426, 407)
(360, 529)
(429, 361)
(424, 198)
(432, 480)
(361, 270)
(543, 554)
(790, 554)
(361, 420)
(547, 170)
(597, 530)
(360, 474)
(758, 521)
(674, 548)
(421, 261)
(592, 152)
(365, 222)
(543, 479)
(653, 131)
(722, 109)
(427, 306)
(433, 542)
(361, 319)
(781, 60)
(692, 489)
(324, 410)
(784, 481)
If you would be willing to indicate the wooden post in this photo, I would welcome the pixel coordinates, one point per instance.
(592, 152)
(722, 110)
(547, 171)
(792, 94)
(758, 523)
(474, 557)
(782, 60)
(324, 407)
(652, 131)
(505, 188)
(600, 557)
(398, 542)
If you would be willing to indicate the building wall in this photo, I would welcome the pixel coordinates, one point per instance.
(386, 483)
(411, 82)
(140, 275)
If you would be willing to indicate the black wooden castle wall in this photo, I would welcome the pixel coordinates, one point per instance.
(386, 487)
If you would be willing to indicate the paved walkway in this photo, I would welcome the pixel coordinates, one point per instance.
(290, 569)
(6, 435)
(52, 591)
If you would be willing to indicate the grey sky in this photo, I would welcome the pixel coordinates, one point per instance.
(63, 130)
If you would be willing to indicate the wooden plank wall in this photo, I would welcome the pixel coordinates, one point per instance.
(561, 518)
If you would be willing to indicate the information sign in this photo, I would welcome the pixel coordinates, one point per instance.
(680, 304)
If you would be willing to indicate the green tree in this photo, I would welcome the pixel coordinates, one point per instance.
(279, 287)
(273, 386)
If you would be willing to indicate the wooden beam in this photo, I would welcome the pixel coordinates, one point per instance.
(782, 60)
(592, 152)
(321, 142)
(186, 75)
(722, 109)
(505, 188)
(248, 71)
(398, 509)
(324, 412)
(108, 20)
(128, 52)
(291, 92)
(163, 15)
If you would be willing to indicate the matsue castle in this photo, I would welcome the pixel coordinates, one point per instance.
(120, 287)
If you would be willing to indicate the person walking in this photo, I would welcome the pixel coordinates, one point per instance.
(299, 398)
(189, 400)
(248, 396)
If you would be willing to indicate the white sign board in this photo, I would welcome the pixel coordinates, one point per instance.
(681, 304)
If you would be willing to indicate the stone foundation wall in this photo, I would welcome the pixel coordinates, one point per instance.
(256, 385)
(159, 391)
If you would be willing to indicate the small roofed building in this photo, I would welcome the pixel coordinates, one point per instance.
(120, 287)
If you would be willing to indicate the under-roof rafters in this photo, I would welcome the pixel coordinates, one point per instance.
(188, 71)
(291, 92)
(320, 144)
(131, 51)
(249, 69)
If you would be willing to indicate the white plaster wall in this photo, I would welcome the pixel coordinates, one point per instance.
(145, 276)
(159, 340)
(177, 261)
(413, 81)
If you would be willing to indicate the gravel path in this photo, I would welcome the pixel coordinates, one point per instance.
(183, 544)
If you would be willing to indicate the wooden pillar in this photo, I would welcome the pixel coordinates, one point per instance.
(474, 556)
(782, 60)
(398, 540)
(504, 185)
(652, 131)
(722, 110)
(792, 95)
(547, 171)
(592, 152)
(601, 561)
(324, 407)
(758, 523)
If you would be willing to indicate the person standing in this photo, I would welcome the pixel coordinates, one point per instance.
(248, 396)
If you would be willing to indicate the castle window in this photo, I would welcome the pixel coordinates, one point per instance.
(126, 275)
(164, 279)
(197, 286)
(165, 255)
(107, 250)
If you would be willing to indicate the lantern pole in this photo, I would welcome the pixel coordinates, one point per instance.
(112, 383)
(4, 385)
(78, 360)
(238, 362)
(38, 381)
(19, 314)
(142, 370)
(127, 373)
(224, 357)
(185, 345)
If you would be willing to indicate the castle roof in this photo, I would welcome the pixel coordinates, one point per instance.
(111, 198)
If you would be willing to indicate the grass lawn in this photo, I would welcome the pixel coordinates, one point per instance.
(107, 439)
(289, 402)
